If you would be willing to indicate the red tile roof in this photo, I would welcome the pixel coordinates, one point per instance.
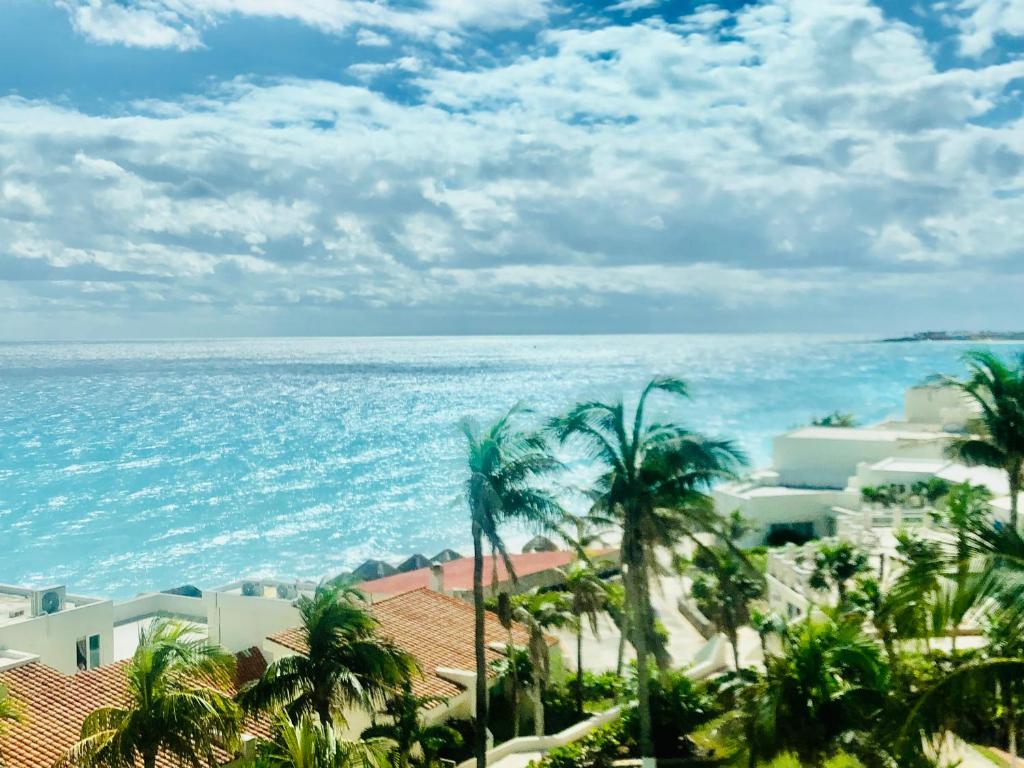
(55, 705)
(435, 628)
(458, 574)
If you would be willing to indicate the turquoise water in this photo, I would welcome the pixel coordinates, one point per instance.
(133, 466)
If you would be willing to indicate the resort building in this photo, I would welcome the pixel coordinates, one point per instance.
(56, 704)
(258, 622)
(817, 469)
(438, 631)
(70, 633)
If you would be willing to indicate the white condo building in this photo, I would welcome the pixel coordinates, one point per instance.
(814, 489)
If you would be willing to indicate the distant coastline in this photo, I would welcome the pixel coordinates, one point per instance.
(959, 336)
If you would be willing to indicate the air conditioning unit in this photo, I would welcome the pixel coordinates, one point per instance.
(252, 589)
(48, 600)
(287, 591)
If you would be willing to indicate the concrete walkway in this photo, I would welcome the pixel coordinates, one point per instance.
(518, 760)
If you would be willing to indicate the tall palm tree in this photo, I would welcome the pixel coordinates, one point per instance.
(175, 705)
(506, 467)
(654, 482)
(312, 744)
(828, 683)
(724, 586)
(835, 564)
(997, 438)
(405, 729)
(345, 664)
(539, 612)
(587, 598)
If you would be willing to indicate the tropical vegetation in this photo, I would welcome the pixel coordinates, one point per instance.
(996, 438)
(344, 664)
(506, 468)
(178, 705)
(654, 478)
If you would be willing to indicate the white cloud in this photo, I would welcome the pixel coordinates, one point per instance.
(179, 23)
(631, 6)
(801, 163)
(149, 25)
(367, 37)
(981, 21)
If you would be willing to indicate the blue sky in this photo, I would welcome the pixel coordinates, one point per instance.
(250, 167)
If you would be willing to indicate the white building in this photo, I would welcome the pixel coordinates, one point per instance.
(67, 632)
(815, 469)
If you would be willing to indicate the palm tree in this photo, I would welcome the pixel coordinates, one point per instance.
(408, 733)
(828, 684)
(835, 563)
(312, 744)
(766, 624)
(724, 586)
(175, 706)
(997, 438)
(10, 712)
(587, 597)
(654, 481)
(505, 468)
(541, 611)
(963, 509)
(345, 663)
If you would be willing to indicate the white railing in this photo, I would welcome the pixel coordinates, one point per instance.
(544, 743)
(160, 603)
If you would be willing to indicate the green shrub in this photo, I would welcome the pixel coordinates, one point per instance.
(598, 749)
(678, 707)
(601, 688)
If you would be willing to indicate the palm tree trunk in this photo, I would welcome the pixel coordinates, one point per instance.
(480, 732)
(515, 685)
(1015, 472)
(149, 759)
(1011, 724)
(538, 706)
(623, 634)
(579, 668)
(734, 641)
(323, 711)
(637, 603)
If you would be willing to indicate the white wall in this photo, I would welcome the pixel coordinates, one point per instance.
(762, 510)
(160, 603)
(52, 637)
(943, 406)
(801, 459)
(239, 623)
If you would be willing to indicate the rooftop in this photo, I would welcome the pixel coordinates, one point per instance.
(435, 628)
(458, 574)
(56, 704)
(753, 491)
(19, 604)
(863, 434)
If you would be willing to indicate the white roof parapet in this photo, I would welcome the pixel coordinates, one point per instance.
(11, 659)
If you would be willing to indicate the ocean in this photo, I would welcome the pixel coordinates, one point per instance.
(128, 467)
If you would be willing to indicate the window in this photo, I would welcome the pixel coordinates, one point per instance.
(81, 660)
(94, 651)
(87, 652)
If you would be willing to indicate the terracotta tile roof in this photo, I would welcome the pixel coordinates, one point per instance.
(56, 704)
(458, 574)
(435, 628)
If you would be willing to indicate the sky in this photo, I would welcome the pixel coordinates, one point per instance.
(181, 168)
